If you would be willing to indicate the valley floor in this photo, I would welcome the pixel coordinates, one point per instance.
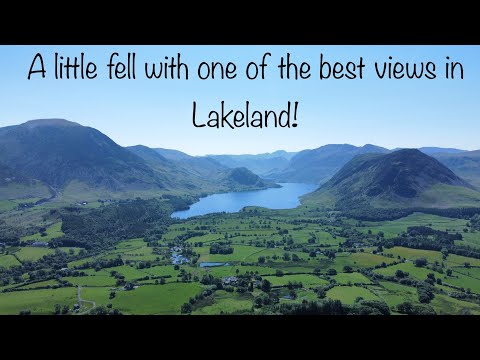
(268, 258)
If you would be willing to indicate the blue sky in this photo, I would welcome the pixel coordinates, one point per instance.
(158, 112)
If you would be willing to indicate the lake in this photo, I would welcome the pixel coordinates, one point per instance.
(286, 197)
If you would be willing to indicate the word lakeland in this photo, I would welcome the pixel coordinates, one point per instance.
(225, 117)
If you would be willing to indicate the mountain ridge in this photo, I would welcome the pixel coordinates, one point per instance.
(75, 159)
(401, 179)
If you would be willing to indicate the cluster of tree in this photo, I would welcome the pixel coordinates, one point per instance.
(421, 262)
(475, 222)
(10, 234)
(179, 202)
(331, 272)
(104, 310)
(425, 292)
(103, 227)
(59, 310)
(49, 266)
(101, 264)
(366, 212)
(441, 241)
(294, 285)
(415, 309)
(221, 248)
(209, 279)
(189, 234)
(321, 291)
(328, 307)
(154, 234)
(265, 299)
(438, 235)
(188, 307)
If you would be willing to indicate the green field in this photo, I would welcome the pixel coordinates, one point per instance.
(445, 305)
(225, 303)
(472, 272)
(348, 294)
(37, 301)
(94, 280)
(395, 227)
(72, 264)
(252, 234)
(394, 294)
(359, 260)
(8, 261)
(353, 278)
(155, 299)
(223, 271)
(53, 231)
(412, 254)
(129, 272)
(98, 294)
(7, 205)
(40, 284)
(456, 260)
(414, 272)
(12, 204)
(306, 279)
(160, 271)
(463, 281)
(240, 253)
(32, 253)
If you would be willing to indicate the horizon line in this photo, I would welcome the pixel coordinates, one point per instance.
(245, 153)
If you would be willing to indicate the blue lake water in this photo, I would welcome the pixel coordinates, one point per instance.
(286, 197)
(213, 264)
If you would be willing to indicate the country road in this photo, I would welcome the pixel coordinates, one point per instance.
(80, 301)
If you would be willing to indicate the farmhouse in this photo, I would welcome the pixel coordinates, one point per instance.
(40, 244)
(230, 280)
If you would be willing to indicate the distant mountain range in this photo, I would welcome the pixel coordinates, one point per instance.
(401, 179)
(69, 158)
(199, 174)
(261, 164)
(55, 157)
(319, 165)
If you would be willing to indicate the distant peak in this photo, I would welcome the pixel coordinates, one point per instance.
(49, 122)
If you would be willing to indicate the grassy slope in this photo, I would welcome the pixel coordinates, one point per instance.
(23, 191)
(38, 301)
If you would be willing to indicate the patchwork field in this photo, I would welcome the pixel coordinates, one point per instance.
(270, 251)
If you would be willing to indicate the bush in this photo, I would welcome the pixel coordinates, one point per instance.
(331, 272)
(414, 309)
(421, 262)
(186, 308)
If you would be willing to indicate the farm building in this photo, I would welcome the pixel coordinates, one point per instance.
(40, 244)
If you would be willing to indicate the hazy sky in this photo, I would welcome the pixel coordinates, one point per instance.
(158, 112)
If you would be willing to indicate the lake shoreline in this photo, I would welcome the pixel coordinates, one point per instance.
(286, 196)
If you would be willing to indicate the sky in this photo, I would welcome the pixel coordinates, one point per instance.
(158, 112)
